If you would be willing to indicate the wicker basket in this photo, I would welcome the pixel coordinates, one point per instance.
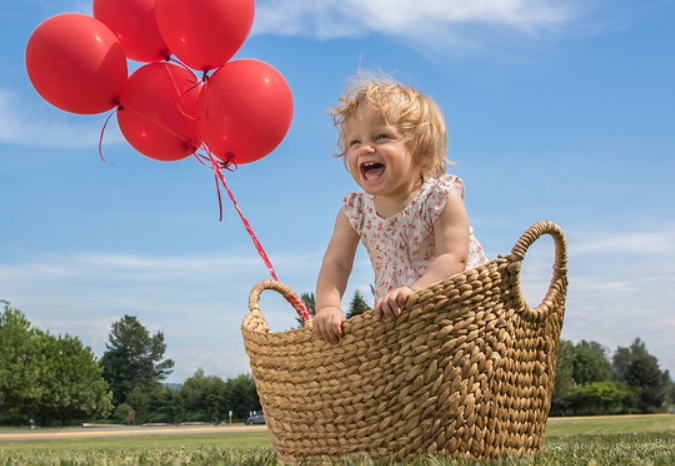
(466, 370)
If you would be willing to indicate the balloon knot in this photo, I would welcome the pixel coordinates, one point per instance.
(228, 163)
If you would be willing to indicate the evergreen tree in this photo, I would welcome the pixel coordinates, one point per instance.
(310, 304)
(358, 305)
(637, 368)
(134, 359)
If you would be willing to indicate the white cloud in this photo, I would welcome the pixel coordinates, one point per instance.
(620, 285)
(196, 301)
(423, 22)
(655, 242)
(20, 124)
(621, 288)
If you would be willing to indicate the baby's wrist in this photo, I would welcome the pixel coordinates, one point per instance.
(325, 309)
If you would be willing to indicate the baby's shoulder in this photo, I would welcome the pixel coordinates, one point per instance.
(353, 199)
(445, 184)
(357, 203)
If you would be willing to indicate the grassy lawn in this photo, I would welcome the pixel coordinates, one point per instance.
(590, 441)
(238, 440)
(562, 426)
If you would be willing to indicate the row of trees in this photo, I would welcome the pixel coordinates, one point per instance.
(46, 377)
(357, 306)
(589, 381)
(200, 398)
(56, 379)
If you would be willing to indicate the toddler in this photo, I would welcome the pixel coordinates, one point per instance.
(410, 216)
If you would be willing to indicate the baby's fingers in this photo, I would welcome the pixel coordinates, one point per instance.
(388, 308)
(329, 330)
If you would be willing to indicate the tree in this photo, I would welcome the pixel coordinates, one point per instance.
(20, 362)
(310, 304)
(358, 305)
(564, 378)
(205, 398)
(637, 368)
(621, 362)
(72, 380)
(584, 382)
(47, 377)
(607, 397)
(243, 396)
(134, 359)
(670, 389)
(590, 363)
(165, 405)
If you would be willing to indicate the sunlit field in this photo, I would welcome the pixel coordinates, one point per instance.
(616, 440)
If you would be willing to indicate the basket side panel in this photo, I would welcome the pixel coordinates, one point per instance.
(458, 373)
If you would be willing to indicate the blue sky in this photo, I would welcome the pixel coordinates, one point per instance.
(560, 110)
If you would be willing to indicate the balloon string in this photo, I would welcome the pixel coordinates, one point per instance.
(159, 125)
(219, 175)
(293, 298)
(100, 137)
(183, 107)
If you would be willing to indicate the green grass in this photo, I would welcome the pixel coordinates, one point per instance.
(591, 441)
(222, 440)
(562, 426)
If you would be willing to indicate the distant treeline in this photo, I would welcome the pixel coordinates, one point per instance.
(51, 380)
(57, 380)
(589, 381)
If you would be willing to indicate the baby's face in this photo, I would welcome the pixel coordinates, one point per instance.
(377, 155)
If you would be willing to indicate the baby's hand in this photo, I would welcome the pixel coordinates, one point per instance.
(390, 304)
(328, 324)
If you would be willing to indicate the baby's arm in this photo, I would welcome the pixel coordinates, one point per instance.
(332, 281)
(452, 232)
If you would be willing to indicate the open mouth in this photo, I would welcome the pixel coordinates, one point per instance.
(372, 170)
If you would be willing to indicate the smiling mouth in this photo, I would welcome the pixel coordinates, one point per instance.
(372, 170)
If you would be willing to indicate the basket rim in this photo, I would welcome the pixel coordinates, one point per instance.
(518, 252)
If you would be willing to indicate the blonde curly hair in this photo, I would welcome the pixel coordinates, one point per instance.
(414, 115)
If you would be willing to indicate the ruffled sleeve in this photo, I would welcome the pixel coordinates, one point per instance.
(353, 207)
(439, 188)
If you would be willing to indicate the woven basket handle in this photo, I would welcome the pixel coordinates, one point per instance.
(285, 291)
(558, 281)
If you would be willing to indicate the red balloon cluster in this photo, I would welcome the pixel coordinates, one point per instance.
(239, 113)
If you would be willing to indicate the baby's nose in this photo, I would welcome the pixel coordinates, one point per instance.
(367, 149)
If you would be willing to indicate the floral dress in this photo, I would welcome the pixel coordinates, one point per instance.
(402, 247)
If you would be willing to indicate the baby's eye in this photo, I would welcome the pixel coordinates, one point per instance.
(382, 136)
(353, 142)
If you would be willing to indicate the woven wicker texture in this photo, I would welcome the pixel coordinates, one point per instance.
(467, 370)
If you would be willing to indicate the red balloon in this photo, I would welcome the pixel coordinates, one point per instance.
(76, 63)
(246, 109)
(134, 24)
(158, 111)
(204, 34)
